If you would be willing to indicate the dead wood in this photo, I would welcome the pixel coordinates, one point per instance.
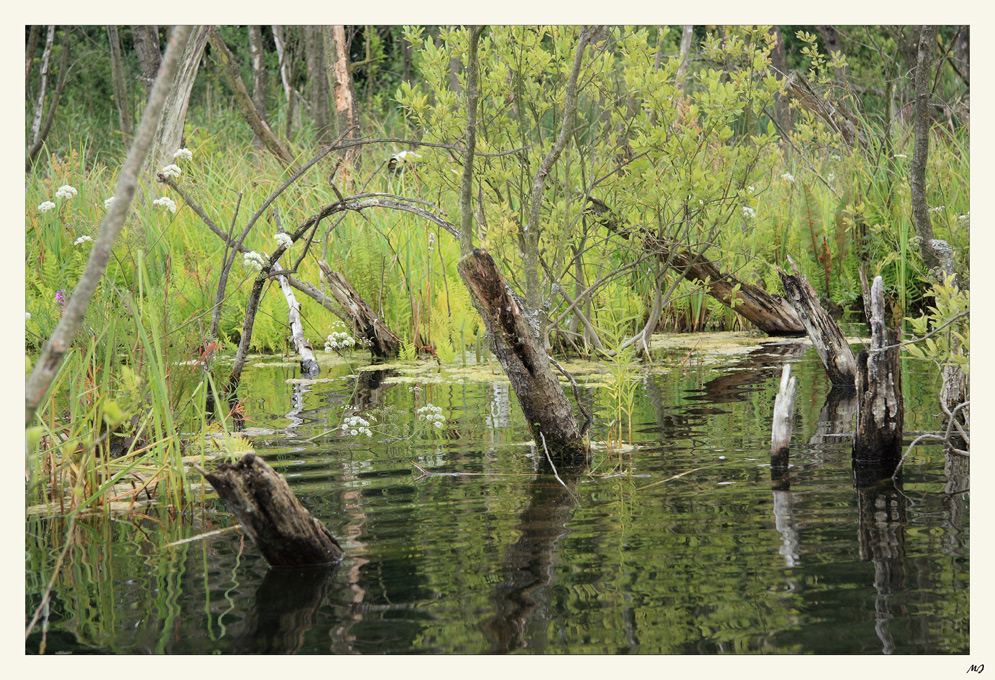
(381, 341)
(270, 514)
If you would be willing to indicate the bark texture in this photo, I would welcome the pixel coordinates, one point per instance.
(269, 512)
(309, 367)
(146, 39)
(382, 343)
(343, 88)
(259, 75)
(880, 407)
(314, 57)
(169, 134)
(824, 332)
(544, 404)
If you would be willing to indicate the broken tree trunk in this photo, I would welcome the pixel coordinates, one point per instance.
(525, 362)
(770, 313)
(309, 367)
(784, 403)
(880, 408)
(824, 332)
(269, 512)
(834, 113)
(382, 343)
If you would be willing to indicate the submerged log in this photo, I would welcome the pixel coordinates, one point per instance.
(269, 512)
(784, 403)
(880, 407)
(824, 332)
(523, 358)
(382, 343)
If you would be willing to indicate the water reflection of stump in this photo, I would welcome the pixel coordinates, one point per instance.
(529, 565)
(285, 609)
(370, 387)
(882, 512)
(836, 418)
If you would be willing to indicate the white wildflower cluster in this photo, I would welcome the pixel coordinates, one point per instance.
(27, 315)
(431, 414)
(82, 239)
(937, 209)
(46, 206)
(964, 219)
(66, 191)
(354, 425)
(253, 260)
(788, 177)
(340, 340)
(166, 202)
(900, 155)
(836, 157)
(830, 177)
(284, 240)
(108, 203)
(748, 212)
(171, 171)
(751, 189)
(431, 240)
(183, 154)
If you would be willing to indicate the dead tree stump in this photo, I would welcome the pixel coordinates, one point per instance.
(880, 407)
(269, 512)
(784, 403)
(824, 332)
(544, 404)
(382, 343)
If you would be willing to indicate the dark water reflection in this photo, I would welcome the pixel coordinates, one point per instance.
(691, 543)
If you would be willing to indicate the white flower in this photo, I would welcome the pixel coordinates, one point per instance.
(836, 157)
(253, 260)
(171, 171)
(27, 315)
(748, 212)
(831, 177)
(66, 191)
(82, 239)
(183, 154)
(788, 177)
(750, 189)
(108, 203)
(438, 425)
(964, 218)
(46, 206)
(166, 202)
(900, 155)
(284, 240)
(937, 209)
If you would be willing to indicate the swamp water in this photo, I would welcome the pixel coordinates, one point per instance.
(681, 544)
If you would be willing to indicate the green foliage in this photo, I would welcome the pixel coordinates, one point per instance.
(944, 330)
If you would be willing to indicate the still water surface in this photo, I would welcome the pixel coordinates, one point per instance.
(682, 544)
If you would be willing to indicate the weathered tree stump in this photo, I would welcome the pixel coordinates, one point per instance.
(824, 332)
(382, 343)
(309, 366)
(544, 404)
(784, 403)
(880, 407)
(269, 512)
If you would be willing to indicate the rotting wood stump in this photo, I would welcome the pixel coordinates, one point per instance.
(269, 512)
(544, 404)
(880, 407)
(381, 341)
(822, 329)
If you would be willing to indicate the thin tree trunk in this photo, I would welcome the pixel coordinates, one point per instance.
(259, 79)
(962, 54)
(314, 55)
(121, 94)
(72, 317)
(309, 367)
(43, 83)
(342, 87)
(169, 134)
(784, 404)
(146, 39)
(682, 69)
(232, 76)
(833, 45)
(29, 53)
(286, 78)
(52, 107)
(466, 186)
(920, 154)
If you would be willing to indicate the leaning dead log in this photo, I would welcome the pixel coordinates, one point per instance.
(784, 403)
(880, 407)
(309, 366)
(269, 512)
(374, 332)
(770, 313)
(546, 408)
(824, 332)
